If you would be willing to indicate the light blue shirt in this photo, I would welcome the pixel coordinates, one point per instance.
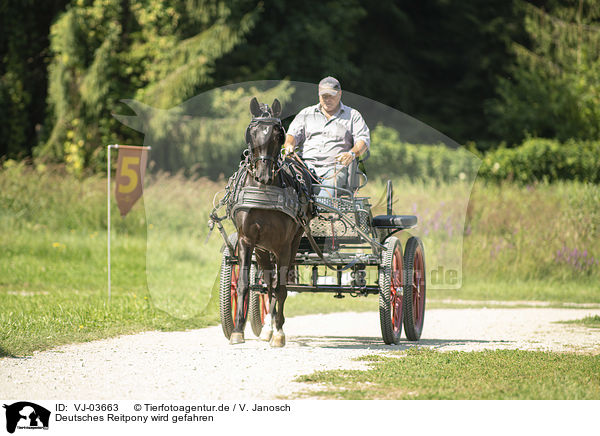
(322, 139)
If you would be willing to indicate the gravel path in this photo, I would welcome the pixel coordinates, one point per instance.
(200, 364)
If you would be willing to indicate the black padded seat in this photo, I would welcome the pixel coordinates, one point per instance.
(395, 221)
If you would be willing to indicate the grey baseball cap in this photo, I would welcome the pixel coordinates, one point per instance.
(329, 85)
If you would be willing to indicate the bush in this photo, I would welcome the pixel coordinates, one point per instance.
(544, 160)
(393, 158)
(536, 160)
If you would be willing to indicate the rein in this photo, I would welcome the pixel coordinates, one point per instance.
(301, 162)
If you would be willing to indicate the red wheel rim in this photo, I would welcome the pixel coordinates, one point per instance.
(235, 274)
(418, 290)
(264, 307)
(396, 292)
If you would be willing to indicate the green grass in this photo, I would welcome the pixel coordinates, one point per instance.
(501, 374)
(54, 291)
(583, 291)
(53, 284)
(588, 321)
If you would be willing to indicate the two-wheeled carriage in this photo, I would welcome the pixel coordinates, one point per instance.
(344, 237)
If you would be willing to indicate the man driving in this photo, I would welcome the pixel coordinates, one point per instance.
(331, 135)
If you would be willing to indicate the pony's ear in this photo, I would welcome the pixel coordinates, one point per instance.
(255, 107)
(276, 108)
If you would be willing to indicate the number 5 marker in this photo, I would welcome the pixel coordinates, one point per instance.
(131, 167)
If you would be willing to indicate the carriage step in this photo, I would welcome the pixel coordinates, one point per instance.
(395, 221)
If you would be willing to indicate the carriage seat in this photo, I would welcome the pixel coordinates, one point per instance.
(394, 221)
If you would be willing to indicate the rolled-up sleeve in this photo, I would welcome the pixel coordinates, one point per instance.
(360, 130)
(297, 128)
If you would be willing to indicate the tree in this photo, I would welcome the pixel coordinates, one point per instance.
(24, 44)
(554, 87)
(106, 50)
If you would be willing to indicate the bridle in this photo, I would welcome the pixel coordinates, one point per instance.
(264, 119)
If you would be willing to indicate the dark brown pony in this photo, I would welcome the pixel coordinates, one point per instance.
(272, 235)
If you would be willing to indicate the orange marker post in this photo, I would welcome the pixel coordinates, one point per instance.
(129, 187)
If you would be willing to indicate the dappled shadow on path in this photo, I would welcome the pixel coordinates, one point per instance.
(376, 343)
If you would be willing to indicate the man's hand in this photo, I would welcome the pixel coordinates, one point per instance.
(345, 158)
(289, 149)
(290, 145)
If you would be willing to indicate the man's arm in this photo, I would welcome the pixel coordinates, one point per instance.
(361, 136)
(295, 133)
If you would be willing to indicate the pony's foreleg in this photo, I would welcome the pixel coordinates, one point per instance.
(285, 272)
(283, 262)
(264, 261)
(243, 292)
(267, 331)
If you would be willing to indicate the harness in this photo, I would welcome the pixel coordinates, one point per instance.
(267, 197)
(294, 197)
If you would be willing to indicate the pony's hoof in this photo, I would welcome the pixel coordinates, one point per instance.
(278, 340)
(266, 334)
(236, 338)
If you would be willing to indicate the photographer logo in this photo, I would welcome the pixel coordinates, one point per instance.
(26, 415)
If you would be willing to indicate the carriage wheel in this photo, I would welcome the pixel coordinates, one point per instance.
(391, 279)
(414, 288)
(259, 304)
(228, 290)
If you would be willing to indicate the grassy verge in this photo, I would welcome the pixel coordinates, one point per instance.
(555, 291)
(588, 321)
(501, 374)
(54, 291)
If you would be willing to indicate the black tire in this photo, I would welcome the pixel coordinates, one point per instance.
(257, 303)
(414, 288)
(391, 273)
(226, 288)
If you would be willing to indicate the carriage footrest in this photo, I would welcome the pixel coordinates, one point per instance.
(395, 221)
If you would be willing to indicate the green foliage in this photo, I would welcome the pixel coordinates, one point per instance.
(165, 52)
(304, 41)
(106, 50)
(544, 160)
(208, 143)
(392, 158)
(24, 26)
(535, 160)
(554, 87)
(443, 72)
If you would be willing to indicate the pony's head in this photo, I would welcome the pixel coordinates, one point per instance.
(264, 136)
